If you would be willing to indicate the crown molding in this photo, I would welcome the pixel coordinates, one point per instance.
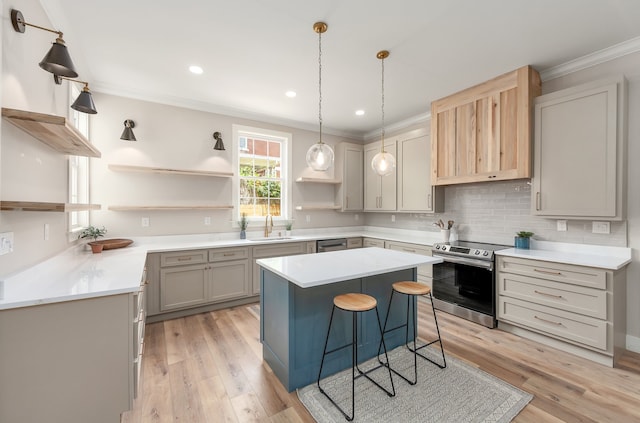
(399, 126)
(592, 59)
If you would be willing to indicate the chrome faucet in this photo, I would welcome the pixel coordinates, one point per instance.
(267, 228)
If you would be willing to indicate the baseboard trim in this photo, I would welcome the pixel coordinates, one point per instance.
(633, 343)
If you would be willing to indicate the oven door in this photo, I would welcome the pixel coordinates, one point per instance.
(467, 283)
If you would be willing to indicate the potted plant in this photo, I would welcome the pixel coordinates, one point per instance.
(243, 223)
(94, 233)
(287, 227)
(522, 239)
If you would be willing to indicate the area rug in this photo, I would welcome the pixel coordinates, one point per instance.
(458, 393)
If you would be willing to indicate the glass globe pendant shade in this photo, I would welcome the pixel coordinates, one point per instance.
(383, 163)
(320, 156)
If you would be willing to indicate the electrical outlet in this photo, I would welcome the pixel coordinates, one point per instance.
(145, 222)
(46, 232)
(308, 218)
(6, 243)
(601, 227)
(393, 218)
(207, 221)
(561, 225)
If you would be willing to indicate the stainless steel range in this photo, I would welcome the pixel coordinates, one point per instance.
(464, 284)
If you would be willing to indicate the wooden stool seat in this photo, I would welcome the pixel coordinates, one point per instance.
(411, 288)
(355, 302)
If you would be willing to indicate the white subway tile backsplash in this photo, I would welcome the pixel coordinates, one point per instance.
(494, 212)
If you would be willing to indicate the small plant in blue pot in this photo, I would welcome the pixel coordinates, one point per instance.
(522, 239)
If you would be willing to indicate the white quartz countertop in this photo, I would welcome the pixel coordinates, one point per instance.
(611, 258)
(311, 270)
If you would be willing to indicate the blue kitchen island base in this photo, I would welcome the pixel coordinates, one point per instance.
(294, 323)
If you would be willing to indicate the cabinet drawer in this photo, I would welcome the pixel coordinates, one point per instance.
(566, 273)
(224, 254)
(574, 327)
(180, 258)
(354, 242)
(279, 250)
(567, 297)
(372, 242)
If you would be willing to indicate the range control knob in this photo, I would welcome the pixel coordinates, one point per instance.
(486, 253)
(477, 253)
(437, 247)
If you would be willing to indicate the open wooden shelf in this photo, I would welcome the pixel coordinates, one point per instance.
(319, 207)
(149, 169)
(319, 180)
(177, 207)
(46, 207)
(54, 131)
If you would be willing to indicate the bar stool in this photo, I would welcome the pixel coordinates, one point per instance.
(355, 303)
(412, 290)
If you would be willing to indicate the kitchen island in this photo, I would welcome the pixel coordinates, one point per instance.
(296, 297)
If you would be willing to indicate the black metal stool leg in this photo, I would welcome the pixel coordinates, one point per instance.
(439, 339)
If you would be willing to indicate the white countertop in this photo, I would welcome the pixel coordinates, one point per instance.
(611, 258)
(310, 270)
(77, 274)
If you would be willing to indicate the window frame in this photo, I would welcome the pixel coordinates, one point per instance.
(78, 171)
(286, 188)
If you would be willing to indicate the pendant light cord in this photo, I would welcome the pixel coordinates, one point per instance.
(320, 83)
(382, 90)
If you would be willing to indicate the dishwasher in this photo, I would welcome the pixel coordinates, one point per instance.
(324, 245)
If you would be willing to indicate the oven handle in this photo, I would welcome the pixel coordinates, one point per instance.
(469, 262)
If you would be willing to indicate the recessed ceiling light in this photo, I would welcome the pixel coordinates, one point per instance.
(359, 112)
(290, 94)
(196, 69)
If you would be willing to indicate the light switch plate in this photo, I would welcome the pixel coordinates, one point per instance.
(6, 243)
(601, 227)
(562, 226)
(145, 222)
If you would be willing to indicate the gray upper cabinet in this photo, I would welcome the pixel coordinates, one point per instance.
(348, 168)
(415, 192)
(379, 191)
(579, 152)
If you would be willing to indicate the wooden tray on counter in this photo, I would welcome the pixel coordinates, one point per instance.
(111, 244)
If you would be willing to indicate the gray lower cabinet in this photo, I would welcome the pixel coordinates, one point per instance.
(273, 250)
(184, 286)
(425, 271)
(228, 280)
(372, 242)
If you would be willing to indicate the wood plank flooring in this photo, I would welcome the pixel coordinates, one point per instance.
(208, 368)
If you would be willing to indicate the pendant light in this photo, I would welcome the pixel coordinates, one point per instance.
(383, 163)
(320, 155)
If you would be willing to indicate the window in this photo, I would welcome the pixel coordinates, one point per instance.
(78, 169)
(262, 160)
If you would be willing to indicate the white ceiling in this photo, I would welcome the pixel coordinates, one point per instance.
(253, 51)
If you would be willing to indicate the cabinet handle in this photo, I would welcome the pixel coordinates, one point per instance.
(491, 176)
(380, 201)
(547, 272)
(229, 254)
(548, 321)
(546, 294)
(184, 258)
(146, 282)
(538, 207)
(347, 202)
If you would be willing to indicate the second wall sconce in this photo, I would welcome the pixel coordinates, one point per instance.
(219, 144)
(57, 60)
(84, 102)
(127, 134)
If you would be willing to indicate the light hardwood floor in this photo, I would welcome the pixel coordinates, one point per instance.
(208, 368)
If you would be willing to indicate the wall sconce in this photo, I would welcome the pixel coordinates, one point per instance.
(84, 102)
(127, 134)
(219, 144)
(57, 60)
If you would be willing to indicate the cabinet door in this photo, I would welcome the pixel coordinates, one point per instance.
(415, 192)
(576, 153)
(352, 181)
(228, 280)
(278, 250)
(183, 286)
(380, 191)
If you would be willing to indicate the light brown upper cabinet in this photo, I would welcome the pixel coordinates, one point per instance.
(580, 151)
(484, 132)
